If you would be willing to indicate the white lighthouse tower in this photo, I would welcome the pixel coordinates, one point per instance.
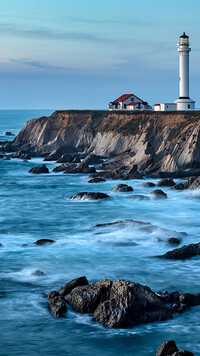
(184, 102)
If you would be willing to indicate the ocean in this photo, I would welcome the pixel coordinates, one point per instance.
(38, 206)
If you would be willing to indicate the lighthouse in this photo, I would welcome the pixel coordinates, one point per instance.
(184, 102)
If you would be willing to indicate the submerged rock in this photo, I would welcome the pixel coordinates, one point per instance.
(68, 287)
(90, 196)
(122, 188)
(9, 133)
(169, 348)
(1, 245)
(183, 252)
(179, 186)
(63, 167)
(42, 168)
(57, 304)
(139, 197)
(173, 240)
(43, 242)
(97, 180)
(159, 194)
(93, 159)
(38, 273)
(81, 168)
(147, 185)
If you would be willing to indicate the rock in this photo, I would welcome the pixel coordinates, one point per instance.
(1, 245)
(190, 300)
(147, 185)
(159, 194)
(139, 197)
(179, 308)
(169, 348)
(66, 157)
(169, 298)
(54, 155)
(68, 287)
(120, 173)
(9, 133)
(1, 156)
(43, 242)
(38, 273)
(86, 299)
(97, 180)
(21, 155)
(173, 240)
(6, 158)
(179, 186)
(39, 169)
(76, 160)
(90, 196)
(63, 167)
(92, 159)
(166, 182)
(194, 183)
(122, 188)
(8, 147)
(183, 252)
(130, 303)
(57, 304)
(81, 168)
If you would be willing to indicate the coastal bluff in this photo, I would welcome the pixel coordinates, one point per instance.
(154, 141)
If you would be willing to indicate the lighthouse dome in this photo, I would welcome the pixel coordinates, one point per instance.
(184, 40)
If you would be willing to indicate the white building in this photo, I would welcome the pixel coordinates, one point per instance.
(129, 102)
(184, 102)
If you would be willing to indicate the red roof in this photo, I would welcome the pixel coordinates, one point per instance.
(134, 103)
(121, 98)
(156, 104)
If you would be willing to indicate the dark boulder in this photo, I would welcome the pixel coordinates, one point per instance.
(66, 157)
(54, 155)
(39, 169)
(131, 303)
(86, 299)
(139, 197)
(169, 297)
(147, 185)
(179, 186)
(38, 273)
(92, 159)
(8, 147)
(1, 245)
(9, 133)
(169, 348)
(43, 242)
(76, 160)
(173, 240)
(6, 158)
(90, 196)
(1, 156)
(57, 304)
(81, 168)
(190, 300)
(166, 182)
(97, 180)
(21, 154)
(122, 188)
(68, 287)
(183, 252)
(63, 167)
(158, 194)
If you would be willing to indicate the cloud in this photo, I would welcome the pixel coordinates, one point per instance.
(48, 33)
(38, 64)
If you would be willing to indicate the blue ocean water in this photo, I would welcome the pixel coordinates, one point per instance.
(39, 207)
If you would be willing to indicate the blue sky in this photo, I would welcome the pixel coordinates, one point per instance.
(79, 54)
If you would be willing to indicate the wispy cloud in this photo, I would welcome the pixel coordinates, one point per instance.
(39, 64)
(48, 33)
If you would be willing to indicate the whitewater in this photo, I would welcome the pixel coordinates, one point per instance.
(39, 206)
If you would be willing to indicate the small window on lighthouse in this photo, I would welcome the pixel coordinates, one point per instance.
(188, 106)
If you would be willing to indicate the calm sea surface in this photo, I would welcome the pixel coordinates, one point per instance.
(39, 207)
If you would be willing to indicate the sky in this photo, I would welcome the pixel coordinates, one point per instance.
(81, 54)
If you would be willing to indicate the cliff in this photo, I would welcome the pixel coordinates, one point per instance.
(164, 141)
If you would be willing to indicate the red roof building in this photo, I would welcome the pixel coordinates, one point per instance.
(129, 102)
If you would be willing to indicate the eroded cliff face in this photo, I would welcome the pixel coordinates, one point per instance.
(165, 141)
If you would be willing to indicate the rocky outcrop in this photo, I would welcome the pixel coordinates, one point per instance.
(39, 169)
(156, 142)
(57, 304)
(184, 252)
(68, 287)
(38, 273)
(122, 188)
(166, 182)
(90, 196)
(169, 348)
